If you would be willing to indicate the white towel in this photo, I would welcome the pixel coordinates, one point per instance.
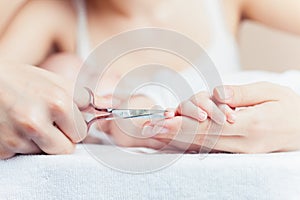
(218, 176)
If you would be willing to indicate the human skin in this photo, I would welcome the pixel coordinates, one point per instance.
(8, 10)
(261, 127)
(29, 112)
(59, 18)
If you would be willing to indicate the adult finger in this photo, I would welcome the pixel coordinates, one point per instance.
(67, 116)
(52, 141)
(211, 143)
(232, 137)
(83, 97)
(152, 143)
(229, 112)
(16, 142)
(234, 144)
(37, 126)
(5, 153)
(183, 124)
(250, 94)
(79, 93)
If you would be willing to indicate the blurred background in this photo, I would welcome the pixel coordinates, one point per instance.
(260, 47)
(269, 49)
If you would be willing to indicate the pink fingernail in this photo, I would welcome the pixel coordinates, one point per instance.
(202, 116)
(170, 114)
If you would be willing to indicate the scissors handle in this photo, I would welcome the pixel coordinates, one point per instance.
(111, 113)
(91, 103)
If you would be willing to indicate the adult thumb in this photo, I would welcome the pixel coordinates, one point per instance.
(248, 95)
(83, 97)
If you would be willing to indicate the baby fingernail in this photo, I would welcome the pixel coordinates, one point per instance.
(170, 114)
(202, 116)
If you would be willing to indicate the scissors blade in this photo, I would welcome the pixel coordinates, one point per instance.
(138, 113)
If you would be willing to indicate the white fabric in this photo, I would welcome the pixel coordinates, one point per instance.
(224, 49)
(218, 176)
(83, 46)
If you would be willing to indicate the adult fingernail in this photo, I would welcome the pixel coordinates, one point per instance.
(224, 92)
(160, 130)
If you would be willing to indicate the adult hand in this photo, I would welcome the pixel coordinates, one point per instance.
(37, 112)
(269, 121)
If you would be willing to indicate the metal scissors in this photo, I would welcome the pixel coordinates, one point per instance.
(111, 113)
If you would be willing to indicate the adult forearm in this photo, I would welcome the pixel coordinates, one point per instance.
(283, 15)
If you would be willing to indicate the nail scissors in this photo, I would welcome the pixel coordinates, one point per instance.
(111, 113)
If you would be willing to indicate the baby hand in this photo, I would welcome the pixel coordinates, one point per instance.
(198, 108)
(201, 106)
